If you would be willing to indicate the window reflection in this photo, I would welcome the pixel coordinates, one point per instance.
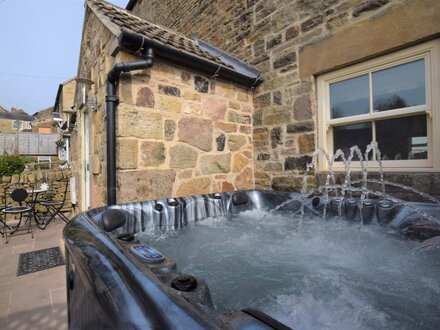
(403, 138)
(344, 137)
(349, 97)
(398, 87)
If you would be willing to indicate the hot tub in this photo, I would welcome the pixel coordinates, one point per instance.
(252, 259)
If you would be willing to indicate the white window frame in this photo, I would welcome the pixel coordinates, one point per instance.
(430, 51)
(16, 124)
(25, 125)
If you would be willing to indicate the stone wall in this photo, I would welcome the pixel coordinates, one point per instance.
(178, 132)
(291, 42)
(33, 179)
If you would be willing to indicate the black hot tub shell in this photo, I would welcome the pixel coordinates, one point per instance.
(108, 287)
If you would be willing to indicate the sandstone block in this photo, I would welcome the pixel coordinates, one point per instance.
(246, 129)
(274, 41)
(191, 96)
(186, 77)
(238, 117)
(170, 128)
(225, 90)
(195, 186)
(226, 127)
(239, 162)
(297, 163)
(211, 164)
(16, 178)
(221, 139)
(273, 166)
(284, 60)
(185, 174)
(234, 105)
(169, 104)
(276, 118)
(125, 90)
(169, 90)
(227, 186)
(146, 184)
(40, 175)
(183, 156)
(235, 141)
(368, 5)
(311, 23)
(152, 153)
(277, 98)
(306, 143)
(307, 126)
(302, 108)
(145, 98)
(287, 183)
(214, 107)
(126, 153)
(138, 122)
(201, 84)
(197, 132)
(262, 101)
(32, 177)
(276, 137)
(245, 179)
(292, 32)
(243, 96)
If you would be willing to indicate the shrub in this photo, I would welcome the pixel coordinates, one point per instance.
(12, 164)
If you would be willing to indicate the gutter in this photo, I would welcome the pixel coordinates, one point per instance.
(112, 100)
(133, 42)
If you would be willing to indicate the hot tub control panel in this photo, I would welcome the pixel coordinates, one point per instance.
(147, 254)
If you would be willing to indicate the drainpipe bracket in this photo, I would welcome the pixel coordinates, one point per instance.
(112, 98)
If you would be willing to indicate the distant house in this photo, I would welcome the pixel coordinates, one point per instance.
(64, 115)
(43, 121)
(182, 119)
(15, 121)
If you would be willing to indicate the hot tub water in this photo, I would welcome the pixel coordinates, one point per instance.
(309, 276)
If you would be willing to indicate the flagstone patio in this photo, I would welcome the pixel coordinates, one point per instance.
(36, 300)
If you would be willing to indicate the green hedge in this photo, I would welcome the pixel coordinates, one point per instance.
(12, 164)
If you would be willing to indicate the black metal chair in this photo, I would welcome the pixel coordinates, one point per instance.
(53, 203)
(20, 206)
(3, 205)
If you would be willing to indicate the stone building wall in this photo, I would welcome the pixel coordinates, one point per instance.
(6, 126)
(178, 132)
(291, 42)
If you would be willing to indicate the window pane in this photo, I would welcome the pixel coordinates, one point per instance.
(349, 97)
(403, 138)
(344, 137)
(400, 86)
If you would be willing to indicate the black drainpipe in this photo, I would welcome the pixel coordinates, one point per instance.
(111, 101)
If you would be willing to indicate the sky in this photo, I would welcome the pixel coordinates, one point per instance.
(40, 44)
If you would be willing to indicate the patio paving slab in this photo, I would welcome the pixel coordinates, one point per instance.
(36, 300)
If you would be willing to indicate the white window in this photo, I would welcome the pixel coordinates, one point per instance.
(393, 100)
(15, 124)
(26, 125)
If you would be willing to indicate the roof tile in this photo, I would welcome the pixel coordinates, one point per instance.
(124, 19)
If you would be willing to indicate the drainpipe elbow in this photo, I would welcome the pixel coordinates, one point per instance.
(118, 68)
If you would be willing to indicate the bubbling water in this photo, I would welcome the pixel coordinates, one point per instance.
(349, 185)
(332, 277)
